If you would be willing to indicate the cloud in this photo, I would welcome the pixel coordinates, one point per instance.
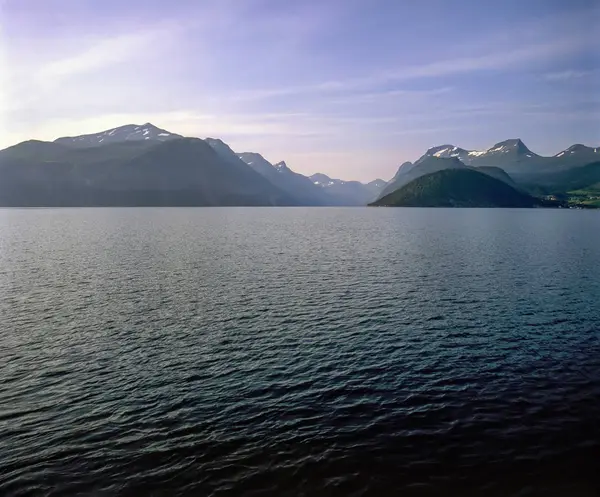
(492, 61)
(567, 75)
(185, 122)
(103, 53)
(395, 95)
(94, 68)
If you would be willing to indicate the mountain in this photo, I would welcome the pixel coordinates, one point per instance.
(496, 172)
(516, 159)
(377, 184)
(505, 151)
(573, 179)
(404, 167)
(457, 187)
(430, 164)
(577, 155)
(445, 152)
(129, 132)
(183, 171)
(350, 193)
(295, 184)
(512, 156)
(425, 165)
(578, 148)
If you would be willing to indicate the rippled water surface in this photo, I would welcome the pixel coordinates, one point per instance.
(292, 352)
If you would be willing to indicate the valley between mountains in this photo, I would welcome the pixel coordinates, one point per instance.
(143, 165)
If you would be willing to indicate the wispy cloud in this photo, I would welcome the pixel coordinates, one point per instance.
(106, 52)
(568, 75)
(102, 54)
(392, 95)
(504, 59)
(491, 61)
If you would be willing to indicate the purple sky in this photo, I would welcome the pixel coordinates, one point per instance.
(351, 88)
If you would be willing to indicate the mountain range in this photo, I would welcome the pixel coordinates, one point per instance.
(143, 165)
(178, 172)
(147, 165)
(516, 159)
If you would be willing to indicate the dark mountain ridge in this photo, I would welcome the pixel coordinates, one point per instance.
(182, 171)
(457, 187)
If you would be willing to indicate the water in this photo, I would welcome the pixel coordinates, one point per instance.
(299, 352)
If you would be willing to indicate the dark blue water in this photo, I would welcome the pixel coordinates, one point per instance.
(292, 352)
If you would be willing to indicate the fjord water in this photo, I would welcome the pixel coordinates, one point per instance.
(299, 351)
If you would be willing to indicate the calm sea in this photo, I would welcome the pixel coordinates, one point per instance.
(299, 352)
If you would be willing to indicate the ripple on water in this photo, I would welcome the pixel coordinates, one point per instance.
(299, 352)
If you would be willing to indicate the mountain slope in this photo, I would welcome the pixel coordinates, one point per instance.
(496, 172)
(577, 155)
(129, 132)
(573, 179)
(457, 187)
(446, 152)
(502, 152)
(184, 171)
(350, 193)
(516, 159)
(264, 168)
(297, 185)
(425, 165)
(404, 167)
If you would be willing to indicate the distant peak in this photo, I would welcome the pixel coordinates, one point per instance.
(282, 166)
(128, 132)
(578, 147)
(320, 178)
(246, 156)
(440, 148)
(512, 142)
(404, 167)
(511, 145)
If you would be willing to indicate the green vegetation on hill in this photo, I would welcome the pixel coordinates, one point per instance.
(457, 188)
(578, 178)
(588, 196)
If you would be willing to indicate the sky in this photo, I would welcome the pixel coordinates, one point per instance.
(349, 88)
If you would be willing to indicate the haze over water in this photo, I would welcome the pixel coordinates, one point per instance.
(299, 351)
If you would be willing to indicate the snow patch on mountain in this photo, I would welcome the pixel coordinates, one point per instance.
(129, 132)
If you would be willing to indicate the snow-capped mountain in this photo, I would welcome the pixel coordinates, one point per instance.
(377, 183)
(507, 149)
(444, 152)
(258, 163)
(325, 181)
(578, 148)
(348, 192)
(282, 167)
(514, 147)
(282, 176)
(129, 132)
